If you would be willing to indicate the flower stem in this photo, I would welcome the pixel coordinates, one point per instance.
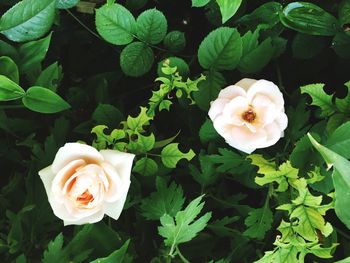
(181, 256)
(82, 24)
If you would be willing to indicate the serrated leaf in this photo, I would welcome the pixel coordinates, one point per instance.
(258, 222)
(175, 41)
(171, 155)
(221, 49)
(166, 200)
(43, 100)
(137, 123)
(207, 132)
(151, 26)
(54, 252)
(343, 105)
(228, 8)
(115, 24)
(136, 59)
(319, 98)
(28, 20)
(228, 160)
(185, 226)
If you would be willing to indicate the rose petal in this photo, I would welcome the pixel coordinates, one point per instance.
(268, 89)
(116, 187)
(231, 92)
(114, 209)
(216, 108)
(74, 151)
(86, 220)
(274, 134)
(234, 109)
(121, 161)
(282, 121)
(245, 83)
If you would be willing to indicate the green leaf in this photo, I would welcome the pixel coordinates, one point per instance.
(309, 19)
(136, 59)
(319, 98)
(258, 222)
(9, 69)
(65, 4)
(115, 24)
(142, 144)
(54, 252)
(185, 227)
(171, 155)
(181, 67)
(345, 260)
(208, 89)
(137, 123)
(108, 115)
(228, 8)
(175, 41)
(308, 46)
(344, 13)
(339, 141)
(221, 49)
(103, 140)
(28, 20)
(32, 53)
(341, 180)
(207, 174)
(166, 200)
(207, 132)
(341, 45)
(9, 90)
(119, 256)
(199, 3)
(229, 161)
(343, 105)
(50, 77)
(43, 100)
(146, 166)
(257, 58)
(151, 26)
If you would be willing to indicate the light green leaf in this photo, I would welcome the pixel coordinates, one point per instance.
(221, 49)
(65, 4)
(28, 20)
(32, 53)
(9, 90)
(175, 41)
(137, 123)
(199, 3)
(136, 59)
(103, 140)
(345, 260)
(341, 180)
(319, 98)
(344, 104)
(166, 200)
(9, 69)
(151, 26)
(258, 222)
(171, 155)
(119, 256)
(146, 166)
(185, 227)
(43, 100)
(228, 8)
(115, 24)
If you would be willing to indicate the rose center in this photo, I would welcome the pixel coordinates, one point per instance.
(249, 115)
(85, 198)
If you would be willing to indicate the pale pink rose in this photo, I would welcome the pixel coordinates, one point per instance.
(250, 114)
(83, 184)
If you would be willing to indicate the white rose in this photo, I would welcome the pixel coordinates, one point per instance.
(83, 184)
(249, 114)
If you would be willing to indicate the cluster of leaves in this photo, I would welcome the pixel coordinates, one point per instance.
(234, 212)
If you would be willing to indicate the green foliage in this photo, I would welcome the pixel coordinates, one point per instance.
(151, 26)
(175, 41)
(65, 4)
(136, 59)
(199, 3)
(54, 252)
(146, 166)
(115, 24)
(9, 90)
(171, 155)
(28, 20)
(166, 200)
(185, 226)
(228, 8)
(117, 256)
(9, 69)
(309, 19)
(50, 77)
(221, 49)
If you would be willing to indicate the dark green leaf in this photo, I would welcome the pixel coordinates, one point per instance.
(151, 26)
